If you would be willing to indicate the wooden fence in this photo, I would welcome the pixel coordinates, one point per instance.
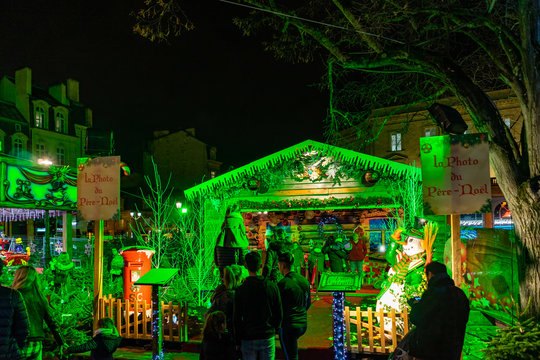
(378, 339)
(134, 319)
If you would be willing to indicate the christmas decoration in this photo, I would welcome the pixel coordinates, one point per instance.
(339, 325)
(253, 184)
(314, 203)
(406, 275)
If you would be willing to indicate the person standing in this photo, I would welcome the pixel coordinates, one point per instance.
(358, 250)
(296, 300)
(27, 282)
(440, 317)
(13, 322)
(257, 313)
(232, 242)
(336, 254)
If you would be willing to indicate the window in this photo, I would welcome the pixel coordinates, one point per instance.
(60, 156)
(40, 117)
(395, 140)
(40, 151)
(60, 123)
(17, 147)
(507, 121)
(430, 131)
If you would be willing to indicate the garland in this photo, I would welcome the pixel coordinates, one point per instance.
(314, 203)
(330, 220)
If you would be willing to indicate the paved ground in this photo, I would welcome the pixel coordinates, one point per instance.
(316, 344)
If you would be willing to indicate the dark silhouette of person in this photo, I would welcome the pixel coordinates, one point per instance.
(14, 326)
(440, 317)
(257, 313)
(295, 300)
(336, 253)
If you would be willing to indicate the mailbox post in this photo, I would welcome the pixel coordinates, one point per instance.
(338, 283)
(137, 262)
(157, 278)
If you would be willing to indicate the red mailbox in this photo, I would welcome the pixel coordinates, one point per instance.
(137, 262)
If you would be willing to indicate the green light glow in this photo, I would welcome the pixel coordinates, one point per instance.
(53, 189)
(362, 161)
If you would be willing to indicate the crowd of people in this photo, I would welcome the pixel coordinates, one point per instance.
(24, 312)
(247, 312)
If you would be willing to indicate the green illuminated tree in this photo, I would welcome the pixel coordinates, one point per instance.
(456, 47)
(195, 236)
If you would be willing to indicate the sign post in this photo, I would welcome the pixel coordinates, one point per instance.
(455, 177)
(98, 199)
(157, 278)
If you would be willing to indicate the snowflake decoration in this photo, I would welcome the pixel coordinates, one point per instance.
(88, 249)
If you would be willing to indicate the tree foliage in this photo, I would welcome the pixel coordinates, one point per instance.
(418, 50)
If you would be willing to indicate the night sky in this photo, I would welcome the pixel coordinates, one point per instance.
(238, 97)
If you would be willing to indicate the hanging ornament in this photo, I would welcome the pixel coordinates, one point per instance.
(253, 184)
(370, 178)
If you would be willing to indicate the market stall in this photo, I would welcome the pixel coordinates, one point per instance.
(310, 191)
(29, 192)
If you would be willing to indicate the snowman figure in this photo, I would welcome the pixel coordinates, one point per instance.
(406, 274)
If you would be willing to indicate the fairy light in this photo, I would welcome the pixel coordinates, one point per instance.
(339, 325)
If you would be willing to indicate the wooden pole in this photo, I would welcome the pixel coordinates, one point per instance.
(456, 248)
(46, 241)
(67, 233)
(98, 269)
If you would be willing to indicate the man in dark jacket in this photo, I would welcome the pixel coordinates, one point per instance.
(334, 248)
(13, 322)
(296, 300)
(257, 313)
(440, 317)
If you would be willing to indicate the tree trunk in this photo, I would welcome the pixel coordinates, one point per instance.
(520, 189)
(525, 206)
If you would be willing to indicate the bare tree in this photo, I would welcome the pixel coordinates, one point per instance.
(193, 254)
(155, 230)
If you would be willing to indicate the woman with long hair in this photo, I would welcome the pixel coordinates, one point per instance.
(38, 308)
(223, 297)
(216, 343)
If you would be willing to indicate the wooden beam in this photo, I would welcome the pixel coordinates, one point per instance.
(98, 271)
(456, 248)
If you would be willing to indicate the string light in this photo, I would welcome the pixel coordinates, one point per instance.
(339, 325)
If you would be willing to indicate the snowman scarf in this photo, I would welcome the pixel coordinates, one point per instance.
(402, 266)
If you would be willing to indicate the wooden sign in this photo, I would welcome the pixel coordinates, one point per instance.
(339, 282)
(98, 188)
(455, 174)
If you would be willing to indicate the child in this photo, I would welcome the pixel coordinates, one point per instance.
(103, 344)
(217, 343)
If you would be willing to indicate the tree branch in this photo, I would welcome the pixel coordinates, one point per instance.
(370, 41)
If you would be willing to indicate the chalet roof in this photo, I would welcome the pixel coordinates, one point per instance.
(364, 161)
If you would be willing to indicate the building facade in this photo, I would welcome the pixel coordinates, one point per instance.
(400, 131)
(42, 125)
(180, 154)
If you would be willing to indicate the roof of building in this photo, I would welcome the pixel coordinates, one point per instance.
(9, 111)
(343, 155)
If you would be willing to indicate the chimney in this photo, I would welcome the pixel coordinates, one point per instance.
(23, 88)
(73, 90)
(59, 93)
